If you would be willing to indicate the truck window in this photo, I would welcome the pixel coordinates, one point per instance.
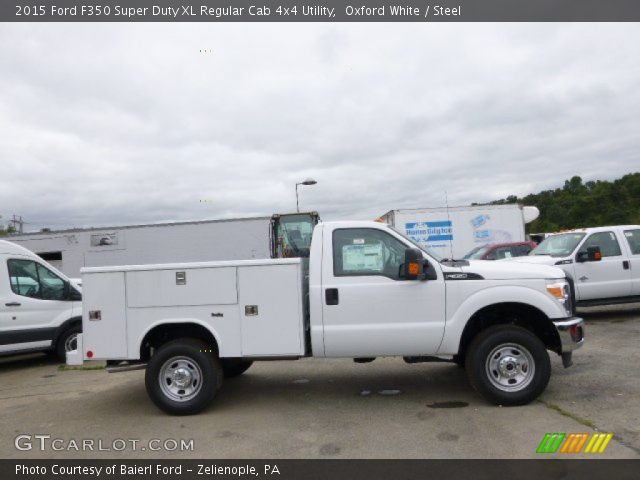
(476, 253)
(366, 251)
(633, 239)
(30, 279)
(500, 253)
(522, 250)
(558, 245)
(609, 246)
(293, 235)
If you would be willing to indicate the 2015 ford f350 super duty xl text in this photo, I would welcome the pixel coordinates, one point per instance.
(366, 291)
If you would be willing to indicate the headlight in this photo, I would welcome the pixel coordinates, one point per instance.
(559, 289)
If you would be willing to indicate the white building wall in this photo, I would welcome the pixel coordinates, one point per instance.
(238, 239)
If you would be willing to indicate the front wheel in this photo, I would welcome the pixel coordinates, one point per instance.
(67, 342)
(508, 365)
(183, 376)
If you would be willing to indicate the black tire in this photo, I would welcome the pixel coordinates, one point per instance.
(508, 345)
(234, 367)
(459, 360)
(199, 361)
(66, 339)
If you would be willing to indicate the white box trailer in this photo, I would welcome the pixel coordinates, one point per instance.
(452, 232)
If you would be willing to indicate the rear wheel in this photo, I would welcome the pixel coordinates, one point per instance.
(183, 376)
(234, 367)
(508, 365)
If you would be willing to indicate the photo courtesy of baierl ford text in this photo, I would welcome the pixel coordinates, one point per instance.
(319, 240)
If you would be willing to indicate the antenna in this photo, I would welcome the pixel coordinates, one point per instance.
(446, 202)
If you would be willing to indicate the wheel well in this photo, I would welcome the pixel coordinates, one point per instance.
(66, 325)
(519, 314)
(170, 331)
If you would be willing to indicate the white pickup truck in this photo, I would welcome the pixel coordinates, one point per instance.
(602, 263)
(366, 291)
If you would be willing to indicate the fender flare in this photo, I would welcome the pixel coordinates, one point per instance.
(493, 296)
(66, 325)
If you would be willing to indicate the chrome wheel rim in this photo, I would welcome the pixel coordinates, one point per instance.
(71, 343)
(180, 379)
(510, 367)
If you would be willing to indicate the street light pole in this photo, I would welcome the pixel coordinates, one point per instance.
(308, 181)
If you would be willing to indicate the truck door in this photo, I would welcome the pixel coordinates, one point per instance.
(632, 237)
(607, 278)
(367, 309)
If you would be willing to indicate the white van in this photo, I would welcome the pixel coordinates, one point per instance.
(40, 308)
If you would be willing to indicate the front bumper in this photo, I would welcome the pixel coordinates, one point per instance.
(571, 335)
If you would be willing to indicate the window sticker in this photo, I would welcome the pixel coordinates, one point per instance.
(362, 258)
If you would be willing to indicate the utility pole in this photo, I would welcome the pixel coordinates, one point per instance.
(18, 223)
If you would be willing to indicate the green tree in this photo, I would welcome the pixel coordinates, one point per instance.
(577, 204)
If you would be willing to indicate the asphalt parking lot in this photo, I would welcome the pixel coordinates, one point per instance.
(335, 408)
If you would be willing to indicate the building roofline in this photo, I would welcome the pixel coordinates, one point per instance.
(125, 227)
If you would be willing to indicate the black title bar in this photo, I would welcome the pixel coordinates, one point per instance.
(320, 11)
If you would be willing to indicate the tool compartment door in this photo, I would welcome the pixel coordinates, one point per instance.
(104, 334)
(271, 310)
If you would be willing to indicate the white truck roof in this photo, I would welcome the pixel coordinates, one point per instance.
(15, 249)
(597, 229)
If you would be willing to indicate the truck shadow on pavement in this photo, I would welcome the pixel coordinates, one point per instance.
(27, 360)
(612, 314)
(415, 385)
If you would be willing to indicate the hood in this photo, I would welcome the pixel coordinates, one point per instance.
(492, 270)
(534, 259)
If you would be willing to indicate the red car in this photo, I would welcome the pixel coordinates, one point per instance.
(497, 251)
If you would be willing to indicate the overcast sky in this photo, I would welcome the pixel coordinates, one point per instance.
(114, 124)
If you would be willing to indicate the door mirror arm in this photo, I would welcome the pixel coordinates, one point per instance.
(413, 266)
(592, 254)
(70, 293)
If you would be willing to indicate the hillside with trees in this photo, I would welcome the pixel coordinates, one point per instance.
(584, 204)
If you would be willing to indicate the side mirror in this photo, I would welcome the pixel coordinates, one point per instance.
(413, 265)
(592, 254)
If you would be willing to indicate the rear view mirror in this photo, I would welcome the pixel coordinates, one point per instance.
(592, 254)
(413, 265)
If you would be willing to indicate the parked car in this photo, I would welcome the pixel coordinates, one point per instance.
(602, 263)
(365, 291)
(40, 308)
(498, 251)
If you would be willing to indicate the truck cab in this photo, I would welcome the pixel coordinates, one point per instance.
(602, 263)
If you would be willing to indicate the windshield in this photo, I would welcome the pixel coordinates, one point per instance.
(476, 254)
(413, 242)
(560, 245)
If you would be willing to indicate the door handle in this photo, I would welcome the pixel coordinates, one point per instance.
(13, 304)
(625, 264)
(331, 296)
